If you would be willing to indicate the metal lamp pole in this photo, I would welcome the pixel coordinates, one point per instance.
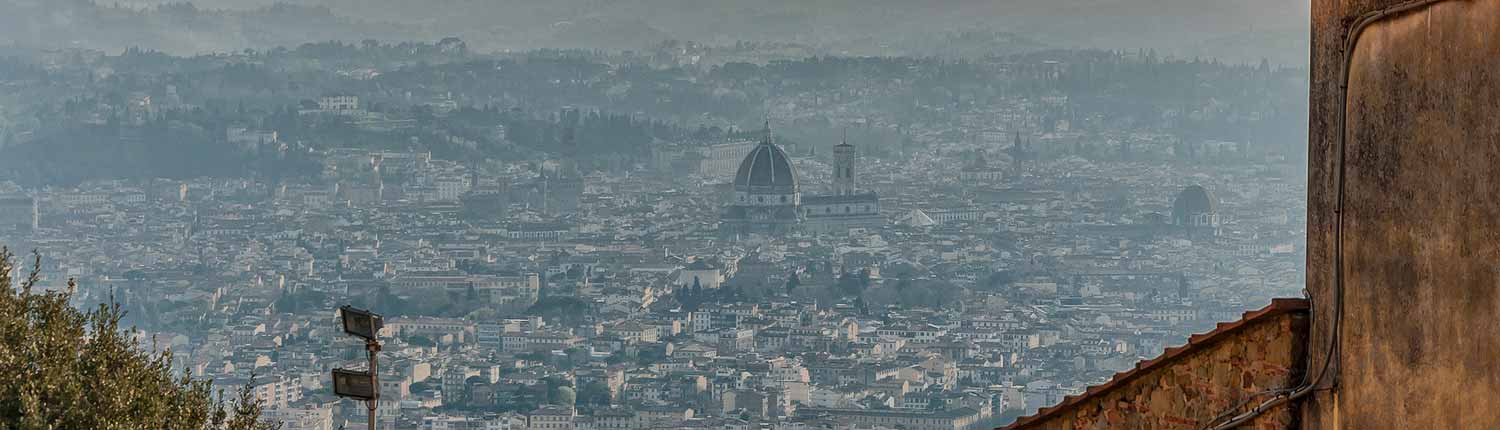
(373, 347)
(356, 384)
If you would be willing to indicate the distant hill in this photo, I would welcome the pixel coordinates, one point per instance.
(1232, 30)
(180, 28)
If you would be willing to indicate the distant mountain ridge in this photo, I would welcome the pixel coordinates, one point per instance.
(180, 28)
(1232, 30)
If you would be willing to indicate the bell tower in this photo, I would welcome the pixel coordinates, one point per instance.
(843, 168)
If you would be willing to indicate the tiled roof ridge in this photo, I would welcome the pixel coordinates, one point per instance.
(1280, 306)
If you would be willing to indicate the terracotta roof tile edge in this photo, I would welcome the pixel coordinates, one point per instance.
(1277, 307)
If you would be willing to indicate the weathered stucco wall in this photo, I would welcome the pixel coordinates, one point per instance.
(1420, 337)
(1190, 385)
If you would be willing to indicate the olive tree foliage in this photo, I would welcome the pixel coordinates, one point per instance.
(64, 368)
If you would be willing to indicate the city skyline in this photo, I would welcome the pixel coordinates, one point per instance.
(588, 215)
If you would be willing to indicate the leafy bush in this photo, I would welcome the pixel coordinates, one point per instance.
(63, 368)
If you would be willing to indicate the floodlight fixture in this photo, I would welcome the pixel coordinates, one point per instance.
(362, 385)
(355, 384)
(360, 322)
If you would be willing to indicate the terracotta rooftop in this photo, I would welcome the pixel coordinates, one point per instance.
(1276, 308)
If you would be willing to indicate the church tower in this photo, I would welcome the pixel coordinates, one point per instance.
(568, 168)
(843, 169)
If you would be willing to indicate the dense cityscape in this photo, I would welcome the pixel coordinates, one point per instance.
(748, 235)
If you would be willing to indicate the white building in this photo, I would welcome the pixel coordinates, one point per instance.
(340, 104)
(707, 275)
(305, 416)
(247, 139)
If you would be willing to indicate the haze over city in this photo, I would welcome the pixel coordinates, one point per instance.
(653, 214)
